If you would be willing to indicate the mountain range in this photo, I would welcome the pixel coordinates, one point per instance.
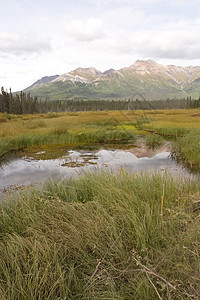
(142, 80)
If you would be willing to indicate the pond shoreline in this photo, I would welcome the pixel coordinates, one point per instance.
(30, 168)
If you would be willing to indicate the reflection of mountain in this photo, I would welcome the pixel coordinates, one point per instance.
(143, 79)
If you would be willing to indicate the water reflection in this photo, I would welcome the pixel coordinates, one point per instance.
(27, 169)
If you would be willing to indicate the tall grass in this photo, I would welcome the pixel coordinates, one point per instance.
(62, 136)
(172, 131)
(101, 236)
(153, 141)
(187, 148)
(80, 128)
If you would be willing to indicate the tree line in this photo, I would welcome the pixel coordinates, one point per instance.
(23, 103)
(18, 104)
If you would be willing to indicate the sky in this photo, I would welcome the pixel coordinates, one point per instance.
(45, 37)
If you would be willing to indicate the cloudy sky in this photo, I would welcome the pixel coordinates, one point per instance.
(48, 37)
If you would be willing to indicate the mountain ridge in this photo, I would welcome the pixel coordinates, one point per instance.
(147, 78)
(43, 80)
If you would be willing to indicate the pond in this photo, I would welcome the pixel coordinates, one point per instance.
(37, 166)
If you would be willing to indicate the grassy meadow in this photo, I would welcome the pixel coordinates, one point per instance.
(102, 235)
(83, 128)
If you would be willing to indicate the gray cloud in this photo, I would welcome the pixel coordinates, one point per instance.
(173, 44)
(20, 44)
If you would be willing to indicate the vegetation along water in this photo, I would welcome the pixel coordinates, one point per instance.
(103, 235)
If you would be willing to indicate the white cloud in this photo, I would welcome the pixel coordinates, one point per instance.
(139, 2)
(168, 41)
(85, 30)
(100, 33)
(19, 44)
(124, 2)
(173, 41)
(125, 16)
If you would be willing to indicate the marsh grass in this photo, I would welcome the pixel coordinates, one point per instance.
(51, 115)
(187, 148)
(51, 128)
(62, 136)
(3, 119)
(33, 124)
(141, 120)
(92, 237)
(173, 132)
(82, 128)
(96, 236)
(154, 141)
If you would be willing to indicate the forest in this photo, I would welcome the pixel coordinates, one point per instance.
(23, 103)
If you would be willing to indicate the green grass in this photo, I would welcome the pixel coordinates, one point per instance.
(187, 148)
(76, 129)
(173, 132)
(102, 236)
(62, 136)
(153, 141)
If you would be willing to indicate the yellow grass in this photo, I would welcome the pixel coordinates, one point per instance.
(84, 121)
(41, 126)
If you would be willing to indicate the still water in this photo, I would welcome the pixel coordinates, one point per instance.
(32, 168)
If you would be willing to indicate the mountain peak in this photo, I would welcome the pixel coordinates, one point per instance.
(86, 71)
(89, 73)
(107, 72)
(146, 67)
(147, 63)
(153, 80)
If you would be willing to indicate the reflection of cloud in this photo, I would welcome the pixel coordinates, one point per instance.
(15, 43)
(85, 30)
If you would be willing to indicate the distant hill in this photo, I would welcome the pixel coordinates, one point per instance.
(41, 82)
(142, 80)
